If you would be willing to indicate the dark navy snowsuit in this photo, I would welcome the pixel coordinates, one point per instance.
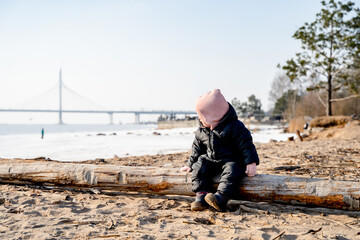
(224, 151)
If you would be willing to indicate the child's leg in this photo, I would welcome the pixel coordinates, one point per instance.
(230, 179)
(228, 186)
(201, 183)
(202, 175)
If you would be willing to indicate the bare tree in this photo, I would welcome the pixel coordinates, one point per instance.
(280, 84)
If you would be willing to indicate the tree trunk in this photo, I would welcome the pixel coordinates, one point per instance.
(271, 188)
(329, 96)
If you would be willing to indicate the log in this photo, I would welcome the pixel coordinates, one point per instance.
(154, 180)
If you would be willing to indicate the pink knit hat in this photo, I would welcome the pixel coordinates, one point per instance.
(211, 108)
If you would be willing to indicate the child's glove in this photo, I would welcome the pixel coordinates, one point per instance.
(251, 169)
(186, 169)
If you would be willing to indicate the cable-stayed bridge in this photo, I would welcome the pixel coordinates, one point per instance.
(68, 101)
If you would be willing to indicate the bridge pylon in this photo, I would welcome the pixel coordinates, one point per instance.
(60, 99)
(137, 118)
(111, 118)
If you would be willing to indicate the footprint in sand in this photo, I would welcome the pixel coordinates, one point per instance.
(165, 205)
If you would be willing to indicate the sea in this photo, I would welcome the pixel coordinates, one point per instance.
(77, 142)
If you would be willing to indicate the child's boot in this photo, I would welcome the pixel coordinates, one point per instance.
(217, 201)
(199, 203)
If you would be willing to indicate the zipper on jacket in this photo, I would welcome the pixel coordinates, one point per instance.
(211, 139)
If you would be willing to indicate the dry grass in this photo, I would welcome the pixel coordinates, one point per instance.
(330, 121)
(296, 124)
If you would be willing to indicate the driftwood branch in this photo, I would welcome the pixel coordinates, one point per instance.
(299, 135)
(271, 188)
(322, 102)
(345, 98)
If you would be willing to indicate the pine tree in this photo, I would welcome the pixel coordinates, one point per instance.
(330, 46)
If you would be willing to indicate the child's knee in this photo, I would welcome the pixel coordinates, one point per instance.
(232, 170)
(197, 170)
(230, 178)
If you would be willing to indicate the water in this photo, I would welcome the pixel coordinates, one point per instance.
(11, 129)
(85, 142)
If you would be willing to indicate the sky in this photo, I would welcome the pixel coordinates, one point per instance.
(156, 55)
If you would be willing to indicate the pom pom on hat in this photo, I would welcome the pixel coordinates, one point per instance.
(211, 108)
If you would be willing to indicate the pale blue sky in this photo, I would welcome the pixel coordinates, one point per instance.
(146, 54)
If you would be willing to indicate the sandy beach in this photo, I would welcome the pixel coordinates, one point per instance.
(31, 213)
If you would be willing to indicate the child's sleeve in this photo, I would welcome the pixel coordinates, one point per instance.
(244, 144)
(196, 151)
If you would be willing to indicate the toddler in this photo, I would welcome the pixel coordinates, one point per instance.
(222, 146)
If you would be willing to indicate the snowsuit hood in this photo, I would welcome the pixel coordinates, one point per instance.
(211, 108)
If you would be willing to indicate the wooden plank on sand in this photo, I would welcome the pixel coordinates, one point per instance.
(271, 188)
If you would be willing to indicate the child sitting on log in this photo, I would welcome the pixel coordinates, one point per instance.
(222, 146)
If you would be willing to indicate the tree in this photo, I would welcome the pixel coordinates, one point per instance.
(251, 107)
(254, 105)
(287, 100)
(238, 106)
(351, 77)
(280, 85)
(331, 45)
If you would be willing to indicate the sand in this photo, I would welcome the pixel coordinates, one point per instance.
(30, 213)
